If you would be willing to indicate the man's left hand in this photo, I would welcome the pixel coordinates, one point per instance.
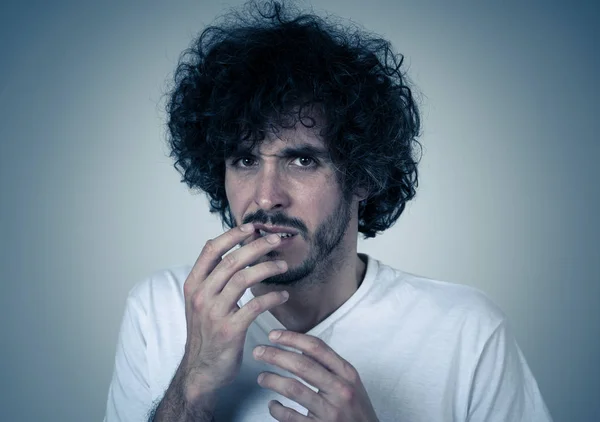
(341, 395)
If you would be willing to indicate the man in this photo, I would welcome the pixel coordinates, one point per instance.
(303, 134)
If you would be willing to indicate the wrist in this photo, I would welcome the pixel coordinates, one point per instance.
(198, 393)
(198, 401)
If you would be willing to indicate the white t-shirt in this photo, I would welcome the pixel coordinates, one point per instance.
(425, 350)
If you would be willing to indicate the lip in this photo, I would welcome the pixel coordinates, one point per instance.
(274, 229)
(284, 241)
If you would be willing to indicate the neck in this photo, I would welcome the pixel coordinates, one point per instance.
(310, 303)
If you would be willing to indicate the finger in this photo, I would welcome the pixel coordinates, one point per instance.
(251, 310)
(212, 252)
(318, 350)
(302, 366)
(238, 260)
(293, 390)
(227, 300)
(285, 414)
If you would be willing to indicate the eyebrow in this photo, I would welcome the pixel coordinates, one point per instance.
(288, 152)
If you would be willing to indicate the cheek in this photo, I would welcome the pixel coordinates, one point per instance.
(321, 204)
(234, 195)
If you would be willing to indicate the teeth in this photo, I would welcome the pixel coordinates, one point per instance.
(282, 235)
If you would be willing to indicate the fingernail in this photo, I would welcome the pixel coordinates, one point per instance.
(273, 238)
(275, 335)
(247, 227)
(259, 351)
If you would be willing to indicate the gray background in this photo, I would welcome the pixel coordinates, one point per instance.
(90, 203)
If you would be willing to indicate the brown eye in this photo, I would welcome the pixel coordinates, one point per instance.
(303, 160)
(244, 161)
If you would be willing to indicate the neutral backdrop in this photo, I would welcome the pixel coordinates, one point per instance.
(90, 203)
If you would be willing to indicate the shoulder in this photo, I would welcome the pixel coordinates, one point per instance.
(452, 296)
(445, 301)
(162, 289)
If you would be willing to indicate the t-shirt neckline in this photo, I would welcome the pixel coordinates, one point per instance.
(267, 322)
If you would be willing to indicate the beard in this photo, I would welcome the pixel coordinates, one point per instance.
(325, 256)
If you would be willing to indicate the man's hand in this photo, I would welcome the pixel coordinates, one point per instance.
(341, 396)
(216, 325)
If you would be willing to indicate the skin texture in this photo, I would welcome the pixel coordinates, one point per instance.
(324, 270)
(341, 395)
(216, 325)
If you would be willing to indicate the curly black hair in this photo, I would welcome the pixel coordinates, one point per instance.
(263, 67)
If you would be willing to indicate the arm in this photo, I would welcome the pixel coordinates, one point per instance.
(175, 408)
(216, 333)
(129, 396)
(503, 388)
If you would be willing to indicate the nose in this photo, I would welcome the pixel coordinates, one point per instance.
(271, 191)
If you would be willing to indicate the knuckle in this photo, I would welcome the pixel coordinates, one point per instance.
(230, 260)
(263, 243)
(269, 354)
(209, 247)
(288, 416)
(304, 366)
(347, 393)
(232, 235)
(294, 389)
(350, 372)
(239, 279)
(337, 385)
(188, 288)
(314, 345)
(254, 305)
(197, 302)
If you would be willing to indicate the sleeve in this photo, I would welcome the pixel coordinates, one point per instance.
(503, 387)
(129, 398)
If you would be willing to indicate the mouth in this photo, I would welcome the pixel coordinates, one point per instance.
(287, 239)
(263, 233)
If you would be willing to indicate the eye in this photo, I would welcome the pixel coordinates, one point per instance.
(242, 159)
(306, 162)
(304, 159)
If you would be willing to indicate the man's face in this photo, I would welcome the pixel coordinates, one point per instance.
(297, 191)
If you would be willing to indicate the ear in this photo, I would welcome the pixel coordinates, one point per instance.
(362, 194)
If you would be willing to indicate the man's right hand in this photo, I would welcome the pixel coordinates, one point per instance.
(216, 325)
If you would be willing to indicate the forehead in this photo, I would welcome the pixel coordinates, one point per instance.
(287, 142)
